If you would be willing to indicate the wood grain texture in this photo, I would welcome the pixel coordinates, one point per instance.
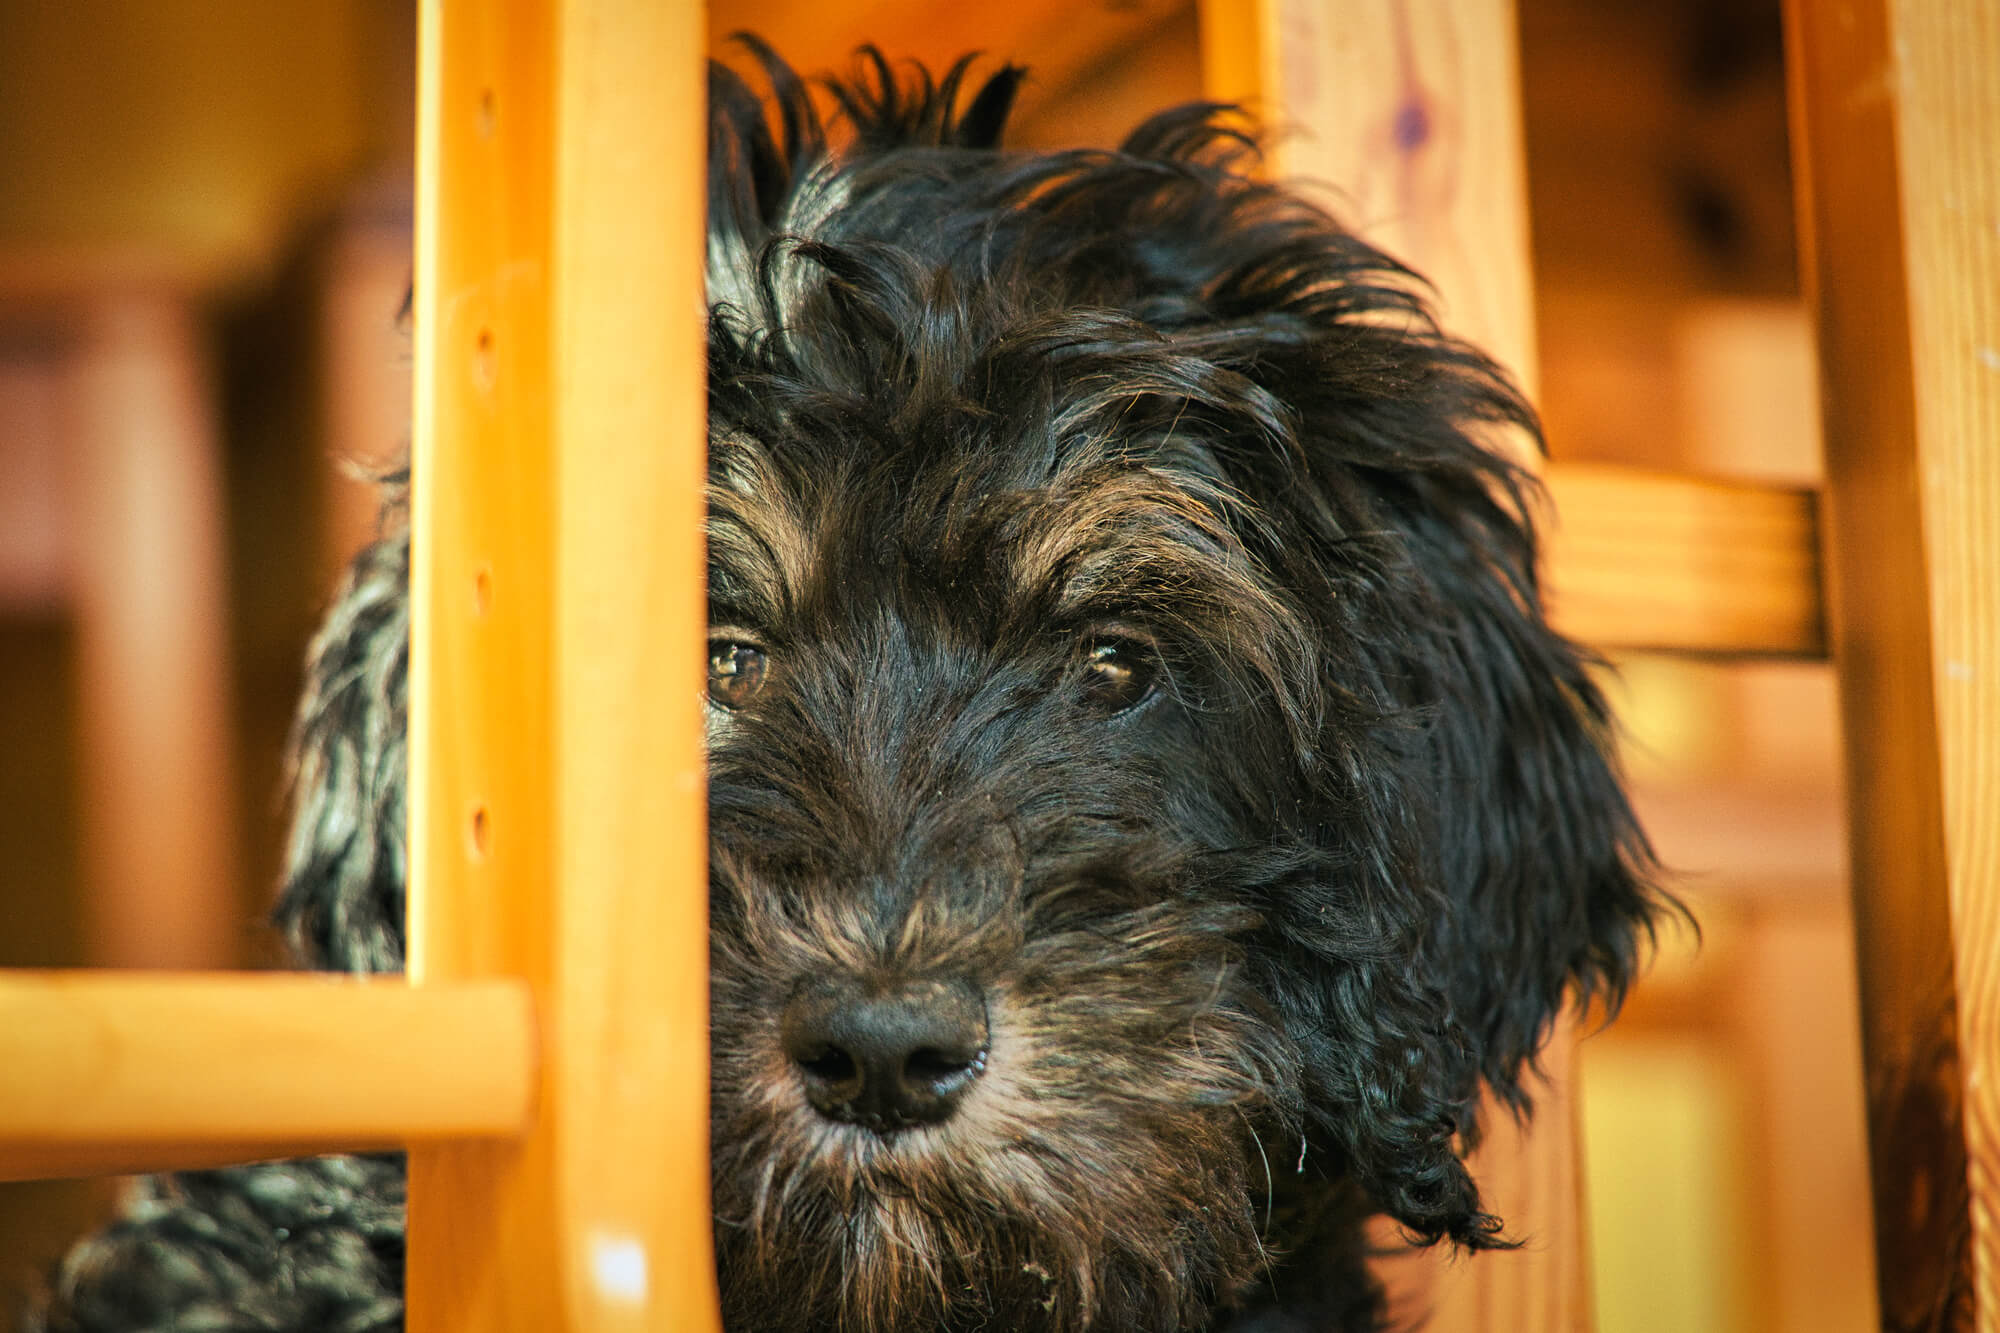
(1643, 560)
(1411, 114)
(557, 821)
(1948, 137)
(1407, 116)
(1897, 139)
(130, 1070)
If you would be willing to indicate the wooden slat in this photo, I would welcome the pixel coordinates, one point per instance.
(122, 1071)
(1896, 112)
(1640, 560)
(557, 791)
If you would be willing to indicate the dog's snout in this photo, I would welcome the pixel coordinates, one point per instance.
(886, 1059)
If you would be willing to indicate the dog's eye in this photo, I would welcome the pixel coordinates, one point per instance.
(736, 672)
(1118, 675)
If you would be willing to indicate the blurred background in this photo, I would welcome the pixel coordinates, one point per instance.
(204, 244)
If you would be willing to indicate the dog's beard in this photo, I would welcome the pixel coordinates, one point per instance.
(1103, 1173)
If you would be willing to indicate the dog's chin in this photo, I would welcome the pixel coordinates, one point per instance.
(954, 1228)
(887, 1263)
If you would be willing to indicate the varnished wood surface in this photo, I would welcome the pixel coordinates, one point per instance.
(557, 821)
(1896, 113)
(1407, 118)
(482, 1226)
(1948, 67)
(124, 1071)
(630, 668)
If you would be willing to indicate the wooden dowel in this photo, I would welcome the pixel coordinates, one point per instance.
(122, 1071)
(630, 419)
(1641, 560)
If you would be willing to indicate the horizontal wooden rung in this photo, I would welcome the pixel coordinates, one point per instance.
(126, 1071)
(1641, 560)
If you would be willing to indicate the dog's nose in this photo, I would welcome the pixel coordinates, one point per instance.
(886, 1059)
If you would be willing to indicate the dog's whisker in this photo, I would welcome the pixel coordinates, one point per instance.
(1270, 1187)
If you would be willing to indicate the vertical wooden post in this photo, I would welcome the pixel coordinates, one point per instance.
(1896, 134)
(1413, 113)
(632, 627)
(557, 822)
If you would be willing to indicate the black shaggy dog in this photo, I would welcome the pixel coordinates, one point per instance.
(1148, 804)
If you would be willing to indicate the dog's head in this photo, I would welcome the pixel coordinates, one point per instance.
(1143, 783)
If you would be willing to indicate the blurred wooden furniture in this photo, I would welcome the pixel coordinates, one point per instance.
(548, 1055)
(544, 1190)
(111, 518)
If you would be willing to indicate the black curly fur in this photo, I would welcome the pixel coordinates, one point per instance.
(1257, 944)
(297, 1245)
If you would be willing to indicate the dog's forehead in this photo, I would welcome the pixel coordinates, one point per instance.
(963, 535)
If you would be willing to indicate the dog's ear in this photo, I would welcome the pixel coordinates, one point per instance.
(1465, 771)
(1486, 774)
(341, 908)
(1550, 881)
(1509, 769)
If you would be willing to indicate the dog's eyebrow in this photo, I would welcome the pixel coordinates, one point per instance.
(1110, 535)
(759, 545)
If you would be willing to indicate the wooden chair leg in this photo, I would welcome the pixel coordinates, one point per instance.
(1896, 110)
(556, 760)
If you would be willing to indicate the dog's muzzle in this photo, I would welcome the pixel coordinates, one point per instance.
(889, 1057)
